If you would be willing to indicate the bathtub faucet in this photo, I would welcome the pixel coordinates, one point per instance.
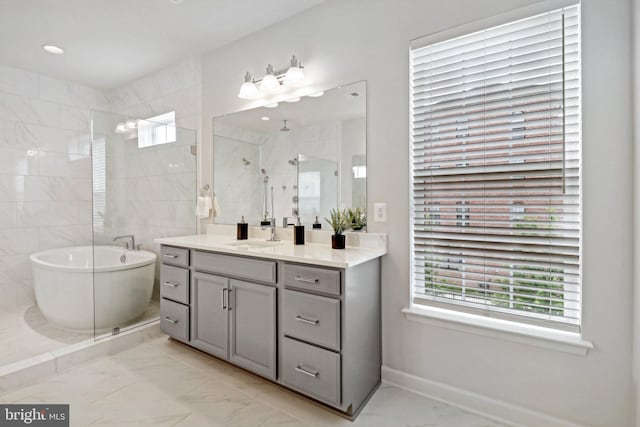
(128, 237)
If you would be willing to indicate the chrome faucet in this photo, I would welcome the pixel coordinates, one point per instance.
(274, 237)
(128, 237)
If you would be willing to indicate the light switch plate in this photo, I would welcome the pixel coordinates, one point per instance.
(380, 212)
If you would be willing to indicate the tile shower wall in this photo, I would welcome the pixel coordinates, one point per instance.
(153, 189)
(45, 173)
(238, 183)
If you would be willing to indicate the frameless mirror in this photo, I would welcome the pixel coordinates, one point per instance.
(297, 159)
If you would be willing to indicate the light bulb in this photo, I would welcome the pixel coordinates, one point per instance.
(294, 76)
(270, 84)
(249, 90)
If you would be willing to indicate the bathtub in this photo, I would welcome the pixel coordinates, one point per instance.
(63, 281)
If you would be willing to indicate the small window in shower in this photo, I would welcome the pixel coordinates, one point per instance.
(157, 130)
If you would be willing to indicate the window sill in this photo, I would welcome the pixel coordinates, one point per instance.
(567, 342)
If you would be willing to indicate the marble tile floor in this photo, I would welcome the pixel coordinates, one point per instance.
(164, 383)
(25, 333)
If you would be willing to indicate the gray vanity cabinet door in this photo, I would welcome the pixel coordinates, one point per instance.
(209, 317)
(253, 327)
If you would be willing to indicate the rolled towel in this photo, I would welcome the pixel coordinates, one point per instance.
(215, 207)
(203, 207)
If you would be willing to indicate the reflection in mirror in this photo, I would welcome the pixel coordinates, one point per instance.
(303, 158)
(317, 187)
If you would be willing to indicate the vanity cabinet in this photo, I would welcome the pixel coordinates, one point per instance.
(233, 319)
(210, 316)
(314, 329)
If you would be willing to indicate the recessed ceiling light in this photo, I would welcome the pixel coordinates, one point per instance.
(264, 118)
(50, 48)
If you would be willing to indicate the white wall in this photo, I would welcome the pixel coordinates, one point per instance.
(45, 173)
(349, 40)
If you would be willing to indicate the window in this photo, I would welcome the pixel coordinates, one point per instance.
(157, 130)
(495, 134)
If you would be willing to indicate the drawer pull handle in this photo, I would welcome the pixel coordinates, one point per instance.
(170, 320)
(309, 321)
(306, 280)
(170, 256)
(172, 284)
(300, 369)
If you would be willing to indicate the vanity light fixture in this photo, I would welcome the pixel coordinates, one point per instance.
(249, 90)
(265, 118)
(294, 99)
(294, 76)
(50, 48)
(274, 81)
(270, 83)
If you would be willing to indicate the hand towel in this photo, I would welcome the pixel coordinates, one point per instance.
(215, 207)
(203, 206)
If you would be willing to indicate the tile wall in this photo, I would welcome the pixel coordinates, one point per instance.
(45, 173)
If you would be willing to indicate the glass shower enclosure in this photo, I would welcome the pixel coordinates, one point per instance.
(144, 187)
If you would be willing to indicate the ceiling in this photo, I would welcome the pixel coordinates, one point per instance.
(112, 42)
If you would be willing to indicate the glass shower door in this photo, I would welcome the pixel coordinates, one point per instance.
(144, 188)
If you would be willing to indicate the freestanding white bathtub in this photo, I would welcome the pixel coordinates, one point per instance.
(65, 282)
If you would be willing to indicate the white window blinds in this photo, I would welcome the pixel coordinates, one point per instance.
(495, 129)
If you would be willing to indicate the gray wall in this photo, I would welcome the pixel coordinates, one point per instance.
(349, 40)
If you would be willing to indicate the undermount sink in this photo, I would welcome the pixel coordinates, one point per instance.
(256, 246)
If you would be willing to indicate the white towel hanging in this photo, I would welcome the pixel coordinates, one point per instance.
(203, 207)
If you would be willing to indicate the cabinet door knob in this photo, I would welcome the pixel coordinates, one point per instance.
(172, 284)
(170, 320)
(170, 256)
(305, 320)
(300, 369)
(306, 279)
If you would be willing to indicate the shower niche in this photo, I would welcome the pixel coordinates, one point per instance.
(297, 159)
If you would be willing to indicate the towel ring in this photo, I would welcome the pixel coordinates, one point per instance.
(206, 191)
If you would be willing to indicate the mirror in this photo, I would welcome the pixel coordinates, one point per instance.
(300, 158)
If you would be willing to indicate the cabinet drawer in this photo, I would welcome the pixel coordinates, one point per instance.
(312, 370)
(244, 268)
(312, 278)
(174, 319)
(175, 256)
(312, 318)
(174, 283)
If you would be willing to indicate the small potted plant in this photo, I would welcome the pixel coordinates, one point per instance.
(357, 218)
(339, 223)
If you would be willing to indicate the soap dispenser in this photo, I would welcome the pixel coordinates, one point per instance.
(242, 230)
(298, 233)
(317, 225)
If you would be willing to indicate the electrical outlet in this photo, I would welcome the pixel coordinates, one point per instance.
(380, 212)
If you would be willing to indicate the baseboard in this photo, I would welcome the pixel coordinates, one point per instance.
(503, 412)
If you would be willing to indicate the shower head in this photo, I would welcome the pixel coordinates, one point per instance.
(246, 162)
(284, 128)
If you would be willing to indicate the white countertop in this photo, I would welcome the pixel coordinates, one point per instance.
(309, 253)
